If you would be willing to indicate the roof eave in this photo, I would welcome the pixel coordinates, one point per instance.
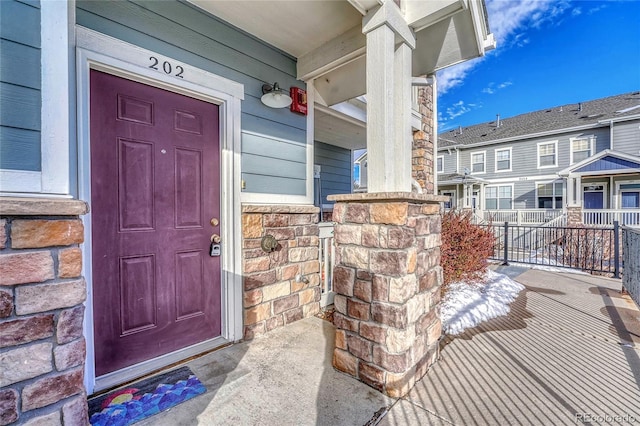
(532, 135)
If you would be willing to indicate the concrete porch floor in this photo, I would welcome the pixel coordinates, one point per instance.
(570, 348)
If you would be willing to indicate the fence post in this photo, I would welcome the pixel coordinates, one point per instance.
(616, 249)
(506, 244)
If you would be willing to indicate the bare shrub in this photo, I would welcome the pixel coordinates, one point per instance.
(465, 247)
(587, 248)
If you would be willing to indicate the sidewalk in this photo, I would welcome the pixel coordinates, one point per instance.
(570, 347)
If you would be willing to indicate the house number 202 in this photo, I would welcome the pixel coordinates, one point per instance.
(166, 67)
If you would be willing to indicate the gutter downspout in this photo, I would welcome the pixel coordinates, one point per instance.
(611, 134)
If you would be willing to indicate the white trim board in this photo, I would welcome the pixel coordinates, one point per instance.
(100, 52)
(55, 111)
(515, 179)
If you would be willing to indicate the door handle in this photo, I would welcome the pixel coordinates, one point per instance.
(215, 238)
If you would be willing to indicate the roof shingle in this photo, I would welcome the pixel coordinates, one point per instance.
(546, 120)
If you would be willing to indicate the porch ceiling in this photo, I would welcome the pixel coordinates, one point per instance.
(326, 36)
(293, 26)
(334, 128)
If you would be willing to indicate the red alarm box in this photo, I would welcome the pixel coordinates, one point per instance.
(299, 100)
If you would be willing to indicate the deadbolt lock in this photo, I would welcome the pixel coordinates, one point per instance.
(214, 221)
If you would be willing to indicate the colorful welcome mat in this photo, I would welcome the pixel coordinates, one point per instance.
(144, 398)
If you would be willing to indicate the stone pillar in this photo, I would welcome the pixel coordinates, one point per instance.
(42, 347)
(422, 153)
(282, 286)
(574, 216)
(387, 281)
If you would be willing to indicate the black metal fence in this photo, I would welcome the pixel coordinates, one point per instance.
(593, 249)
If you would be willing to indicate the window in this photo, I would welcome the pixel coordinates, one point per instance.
(550, 195)
(630, 196)
(503, 160)
(440, 164)
(547, 154)
(477, 162)
(451, 204)
(498, 197)
(580, 149)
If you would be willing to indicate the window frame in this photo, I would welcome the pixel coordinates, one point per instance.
(484, 162)
(498, 198)
(510, 149)
(452, 200)
(620, 190)
(572, 151)
(563, 195)
(555, 144)
(440, 158)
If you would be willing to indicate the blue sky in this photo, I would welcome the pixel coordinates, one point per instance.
(549, 53)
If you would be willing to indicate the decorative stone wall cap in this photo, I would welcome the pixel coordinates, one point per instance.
(279, 208)
(15, 206)
(372, 197)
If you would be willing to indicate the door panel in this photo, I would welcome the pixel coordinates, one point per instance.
(154, 184)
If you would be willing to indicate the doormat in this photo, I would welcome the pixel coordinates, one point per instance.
(145, 398)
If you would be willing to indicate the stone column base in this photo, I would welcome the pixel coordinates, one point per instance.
(574, 216)
(387, 281)
(282, 286)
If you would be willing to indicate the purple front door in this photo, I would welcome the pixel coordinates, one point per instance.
(154, 190)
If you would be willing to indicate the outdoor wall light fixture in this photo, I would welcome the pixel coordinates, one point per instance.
(274, 97)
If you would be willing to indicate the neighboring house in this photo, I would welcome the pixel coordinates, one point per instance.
(141, 171)
(360, 170)
(533, 167)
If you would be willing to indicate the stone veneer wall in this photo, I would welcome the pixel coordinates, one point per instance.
(422, 148)
(42, 348)
(272, 295)
(387, 281)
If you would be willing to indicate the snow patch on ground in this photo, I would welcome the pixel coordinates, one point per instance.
(468, 304)
(548, 268)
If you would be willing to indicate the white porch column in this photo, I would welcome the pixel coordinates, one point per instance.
(570, 192)
(388, 99)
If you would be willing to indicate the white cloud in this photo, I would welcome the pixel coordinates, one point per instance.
(509, 21)
(453, 76)
(596, 9)
(577, 11)
(493, 87)
(455, 110)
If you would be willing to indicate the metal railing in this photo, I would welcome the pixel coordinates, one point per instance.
(631, 262)
(326, 256)
(521, 216)
(628, 217)
(593, 249)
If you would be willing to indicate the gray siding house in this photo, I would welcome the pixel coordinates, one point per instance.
(532, 167)
(146, 155)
